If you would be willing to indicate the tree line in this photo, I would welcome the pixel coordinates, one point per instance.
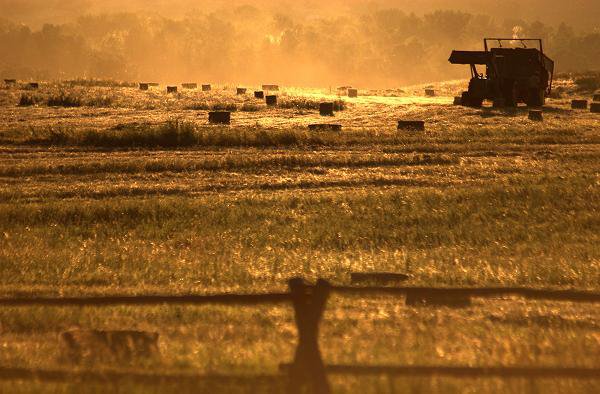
(387, 47)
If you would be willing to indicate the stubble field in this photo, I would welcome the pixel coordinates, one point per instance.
(133, 192)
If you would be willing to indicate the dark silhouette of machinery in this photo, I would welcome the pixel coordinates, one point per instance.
(512, 74)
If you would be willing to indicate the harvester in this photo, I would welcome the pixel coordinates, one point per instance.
(512, 74)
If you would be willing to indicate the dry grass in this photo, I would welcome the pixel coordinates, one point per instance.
(28, 100)
(112, 94)
(588, 83)
(105, 83)
(303, 103)
(64, 99)
(124, 200)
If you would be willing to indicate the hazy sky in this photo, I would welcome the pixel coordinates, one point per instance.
(307, 43)
(582, 14)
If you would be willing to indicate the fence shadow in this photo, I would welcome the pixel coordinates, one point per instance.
(307, 372)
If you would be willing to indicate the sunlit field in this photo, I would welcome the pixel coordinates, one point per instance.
(113, 190)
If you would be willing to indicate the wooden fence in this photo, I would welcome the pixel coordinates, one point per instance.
(308, 371)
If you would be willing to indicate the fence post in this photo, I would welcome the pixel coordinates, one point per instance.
(308, 369)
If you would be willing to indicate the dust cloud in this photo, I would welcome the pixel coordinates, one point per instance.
(312, 43)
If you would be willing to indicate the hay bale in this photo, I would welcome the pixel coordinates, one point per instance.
(579, 104)
(325, 127)
(33, 85)
(241, 91)
(326, 109)
(429, 92)
(271, 100)
(457, 100)
(380, 278)
(144, 86)
(411, 125)
(189, 85)
(352, 93)
(88, 346)
(464, 99)
(171, 89)
(595, 108)
(219, 117)
(273, 88)
(259, 94)
(206, 88)
(597, 97)
(436, 301)
(536, 115)
(342, 90)
(10, 81)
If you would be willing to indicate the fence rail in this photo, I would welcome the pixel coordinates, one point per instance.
(309, 301)
(476, 292)
(222, 299)
(280, 298)
(462, 372)
(149, 378)
(145, 378)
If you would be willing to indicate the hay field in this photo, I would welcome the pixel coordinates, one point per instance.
(116, 190)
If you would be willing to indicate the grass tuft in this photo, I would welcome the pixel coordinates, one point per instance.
(202, 106)
(224, 107)
(64, 99)
(247, 107)
(588, 83)
(100, 83)
(177, 133)
(170, 134)
(28, 100)
(307, 104)
(100, 100)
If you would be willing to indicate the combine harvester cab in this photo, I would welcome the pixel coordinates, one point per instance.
(512, 75)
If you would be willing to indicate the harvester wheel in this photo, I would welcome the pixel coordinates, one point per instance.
(509, 91)
(470, 101)
(476, 102)
(464, 100)
(536, 98)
